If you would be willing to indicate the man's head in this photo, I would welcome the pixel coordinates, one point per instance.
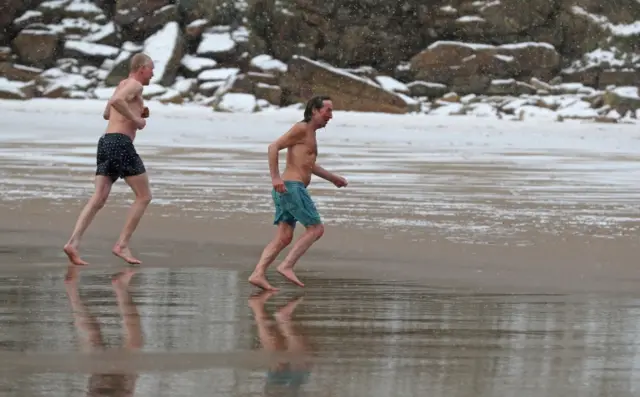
(141, 68)
(319, 110)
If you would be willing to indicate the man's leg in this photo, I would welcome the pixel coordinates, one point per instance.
(304, 211)
(140, 186)
(96, 202)
(310, 236)
(283, 238)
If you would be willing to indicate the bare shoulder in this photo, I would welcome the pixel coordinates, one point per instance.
(128, 89)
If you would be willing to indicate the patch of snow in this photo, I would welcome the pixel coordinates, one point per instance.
(578, 109)
(53, 4)
(132, 47)
(101, 74)
(197, 23)
(526, 44)
(218, 74)
(448, 10)
(446, 110)
(196, 64)
(390, 84)
(237, 103)
(240, 35)
(27, 16)
(267, 63)
(184, 86)
(470, 18)
(215, 43)
(506, 58)
(211, 85)
(104, 92)
(13, 87)
(621, 30)
(407, 99)
(104, 32)
(613, 115)
(628, 92)
(84, 7)
(160, 47)
(482, 110)
(34, 32)
(169, 95)
(503, 82)
(92, 49)
(427, 84)
(473, 46)
(153, 90)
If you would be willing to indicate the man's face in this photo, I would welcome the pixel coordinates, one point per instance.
(146, 73)
(324, 114)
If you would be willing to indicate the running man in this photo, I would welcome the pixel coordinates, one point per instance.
(117, 158)
(291, 199)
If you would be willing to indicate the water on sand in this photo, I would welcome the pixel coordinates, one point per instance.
(192, 332)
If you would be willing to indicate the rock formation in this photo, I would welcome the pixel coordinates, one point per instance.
(383, 56)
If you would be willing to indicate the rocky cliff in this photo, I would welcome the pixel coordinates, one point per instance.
(384, 55)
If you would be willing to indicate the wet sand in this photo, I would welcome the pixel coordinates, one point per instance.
(496, 266)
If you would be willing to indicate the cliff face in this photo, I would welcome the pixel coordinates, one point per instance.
(269, 49)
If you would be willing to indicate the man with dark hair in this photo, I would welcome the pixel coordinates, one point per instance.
(291, 199)
(117, 158)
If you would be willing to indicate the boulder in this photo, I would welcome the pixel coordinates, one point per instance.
(91, 53)
(37, 47)
(427, 89)
(622, 99)
(470, 67)
(15, 72)
(147, 25)
(306, 78)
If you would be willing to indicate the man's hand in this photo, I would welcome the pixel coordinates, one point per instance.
(145, 113)
(339, 181)
(278, 185)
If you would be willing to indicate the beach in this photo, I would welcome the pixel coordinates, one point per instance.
(468, 256)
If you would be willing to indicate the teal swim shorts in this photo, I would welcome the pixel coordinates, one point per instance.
(295, 205)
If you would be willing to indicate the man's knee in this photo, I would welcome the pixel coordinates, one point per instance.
(316, 230)
(285, 236)
(99, 200)
(144, 198)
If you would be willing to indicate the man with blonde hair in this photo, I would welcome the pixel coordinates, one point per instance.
(117, 158)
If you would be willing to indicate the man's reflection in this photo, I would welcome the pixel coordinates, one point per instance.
(286, 376)
(88, 328)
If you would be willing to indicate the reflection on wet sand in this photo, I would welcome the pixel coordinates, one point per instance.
(111, 384)
(286, 376)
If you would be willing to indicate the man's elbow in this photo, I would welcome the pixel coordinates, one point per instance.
(273, 148)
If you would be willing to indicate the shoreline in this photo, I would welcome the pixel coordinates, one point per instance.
(168, 239)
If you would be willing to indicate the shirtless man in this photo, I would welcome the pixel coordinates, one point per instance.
(117, 158)
(291, 199)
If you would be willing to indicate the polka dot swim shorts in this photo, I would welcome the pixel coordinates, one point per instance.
(117, 157)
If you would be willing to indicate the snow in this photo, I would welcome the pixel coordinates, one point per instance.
(211, 85)
(470, 18)
(215, 43)
(448, 9)
(104, 92)
(579, 109)
(69, 81)
(184, 86)
(31, 14)
(505, 58)
(33, 32)
(237, 103)
(13, 87)
(92, 49)
(390, 84)
(628, 92)
(104, 32)
(267, 63)
(218, 74)
(153, 90)
(427, 84)
(479, 46)
(53, 4)
(132, 47)
(197, 23)
(621, 30)
(240, 35)
(196, 64)
(160, 48)
(84, 7)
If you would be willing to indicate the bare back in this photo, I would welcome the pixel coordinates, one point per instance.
(118, 123)
(301, 158)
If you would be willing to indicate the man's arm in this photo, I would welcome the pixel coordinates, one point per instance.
(324, 174)
(107, 111)
(290, 138)
(120, 99)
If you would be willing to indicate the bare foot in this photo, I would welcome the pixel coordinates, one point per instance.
(286, 312)
(290, 275)
(74, 255)
(123, 278)
(261, 282)
(125, 253)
